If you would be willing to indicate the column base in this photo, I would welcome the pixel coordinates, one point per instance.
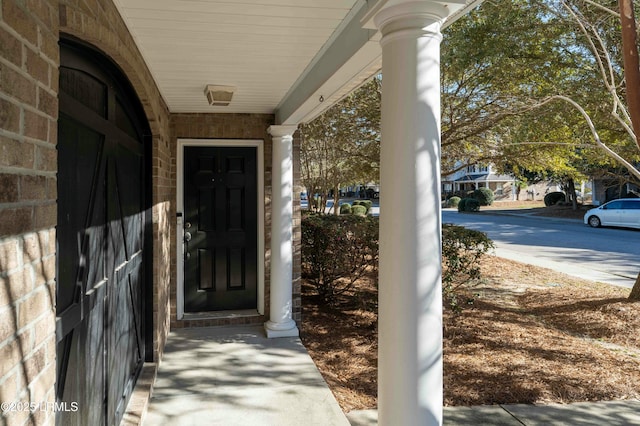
(287, 329)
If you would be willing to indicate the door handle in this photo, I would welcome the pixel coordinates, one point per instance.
(187, 238)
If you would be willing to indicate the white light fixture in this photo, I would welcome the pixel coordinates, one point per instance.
(219, 95)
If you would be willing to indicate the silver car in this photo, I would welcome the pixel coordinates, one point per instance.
(624, 212)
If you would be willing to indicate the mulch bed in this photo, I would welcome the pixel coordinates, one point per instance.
(532, 335)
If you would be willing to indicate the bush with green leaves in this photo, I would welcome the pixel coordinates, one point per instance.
(469, 205)
(337, 250)
(359, 210)
(453, 201)
(462, 250)
(345, 208)
(368, 204)
(484, 196)
(553, 198)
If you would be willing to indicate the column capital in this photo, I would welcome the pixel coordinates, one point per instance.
(424, 16)
(282, 130)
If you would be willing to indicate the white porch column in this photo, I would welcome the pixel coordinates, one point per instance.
(410, 299)
(280, 322)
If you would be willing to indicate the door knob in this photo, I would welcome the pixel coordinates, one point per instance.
(187, 236)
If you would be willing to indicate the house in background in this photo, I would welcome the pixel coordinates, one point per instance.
(149, 178)
(476, 176)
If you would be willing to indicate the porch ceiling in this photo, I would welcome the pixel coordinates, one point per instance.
(292, 58)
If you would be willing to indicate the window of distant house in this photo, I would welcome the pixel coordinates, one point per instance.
(477, 169)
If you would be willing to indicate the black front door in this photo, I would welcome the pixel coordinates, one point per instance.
(221, 228)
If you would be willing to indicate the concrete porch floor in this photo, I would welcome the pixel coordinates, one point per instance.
(236, 376)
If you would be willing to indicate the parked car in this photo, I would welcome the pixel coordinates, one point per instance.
(624, 212)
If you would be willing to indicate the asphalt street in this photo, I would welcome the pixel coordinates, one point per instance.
(607, 255)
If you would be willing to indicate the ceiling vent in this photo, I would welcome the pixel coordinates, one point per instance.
(219, 95)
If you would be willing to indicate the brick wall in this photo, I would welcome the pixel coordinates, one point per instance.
(28, 131)
(237, 126)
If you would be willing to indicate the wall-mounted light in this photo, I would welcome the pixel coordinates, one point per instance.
(219, 95)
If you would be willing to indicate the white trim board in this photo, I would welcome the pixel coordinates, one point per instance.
(259, 145)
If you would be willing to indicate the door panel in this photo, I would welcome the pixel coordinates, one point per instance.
(101, 242)
(220, 202)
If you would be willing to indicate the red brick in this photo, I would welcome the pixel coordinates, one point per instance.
(10, 356)
(46, 159)
(7, 322)
(9, 191)
(36, 303)
(9, 116)
(45, 216)
(35, 363)
(43, 383)
(20, 21)
(32, 187)
(32, 247)
(37, 67)
(44, 12)
(9, 389)
(16, 154)
(45, 330)
(17, 85)
(9, 256)
(15, 221)
(47, 102)
(14, 287)
(52, 188)
(10, 48)
(45, 271)
(36, 126)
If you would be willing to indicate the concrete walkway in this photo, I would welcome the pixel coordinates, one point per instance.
(610, 413)
(235, 376)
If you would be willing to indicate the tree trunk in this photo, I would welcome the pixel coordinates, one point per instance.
(631, 63)
(336, 199)
(635, 291)
(571, 190)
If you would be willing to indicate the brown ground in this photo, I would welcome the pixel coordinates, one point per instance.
(531, 335)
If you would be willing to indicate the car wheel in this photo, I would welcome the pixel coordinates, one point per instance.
(594, 221)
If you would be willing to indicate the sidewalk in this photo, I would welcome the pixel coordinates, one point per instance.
(610, 413)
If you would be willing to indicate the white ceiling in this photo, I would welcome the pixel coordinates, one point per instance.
(291, 58)
(262, 47)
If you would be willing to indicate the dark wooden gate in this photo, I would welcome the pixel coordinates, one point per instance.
(221, 222)
(101, 240)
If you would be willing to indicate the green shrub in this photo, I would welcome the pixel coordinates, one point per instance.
(359, 210)
(337, 250)
(367, 204)
(345, 208)
(356, 203)
(484, 196)
(553, 198)
(461, 252)
(453, 201)
(469, 205)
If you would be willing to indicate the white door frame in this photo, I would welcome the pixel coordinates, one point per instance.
(253, 143)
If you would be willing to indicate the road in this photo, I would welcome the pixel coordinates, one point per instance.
(599, 254)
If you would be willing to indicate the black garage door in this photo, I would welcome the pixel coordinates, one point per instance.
(101, 237)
